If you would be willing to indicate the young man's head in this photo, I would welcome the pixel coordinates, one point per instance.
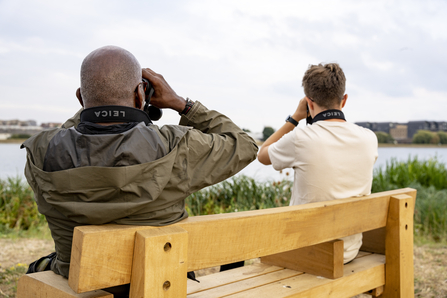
(324, 84)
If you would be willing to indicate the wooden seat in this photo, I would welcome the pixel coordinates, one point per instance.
(298, 245)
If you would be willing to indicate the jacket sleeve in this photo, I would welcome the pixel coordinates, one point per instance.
(216, 148)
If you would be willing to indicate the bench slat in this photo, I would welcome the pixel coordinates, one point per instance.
(222, 278)
(361, 275)
(245, 284)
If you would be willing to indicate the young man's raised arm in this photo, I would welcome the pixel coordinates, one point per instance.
(300, 113)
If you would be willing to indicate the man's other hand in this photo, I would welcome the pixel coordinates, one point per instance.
(164, 96)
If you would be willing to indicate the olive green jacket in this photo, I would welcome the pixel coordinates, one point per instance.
(205, 148)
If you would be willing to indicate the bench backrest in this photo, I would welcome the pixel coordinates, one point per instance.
(102, 256)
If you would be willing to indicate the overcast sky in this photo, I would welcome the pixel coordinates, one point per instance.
(243, 58)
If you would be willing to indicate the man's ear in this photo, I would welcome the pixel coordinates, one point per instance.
(78, 95)
(343, 101)
(140, 97)
(310, 103)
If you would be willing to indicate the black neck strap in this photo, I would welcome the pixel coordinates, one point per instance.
(329, 114)
(107, 114)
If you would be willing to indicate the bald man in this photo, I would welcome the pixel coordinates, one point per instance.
(110, 164)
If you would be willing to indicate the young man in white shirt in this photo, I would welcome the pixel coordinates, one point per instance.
(332, 158)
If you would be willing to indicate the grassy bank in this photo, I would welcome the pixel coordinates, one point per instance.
(430, 179)
(18, 211)
(19, 218)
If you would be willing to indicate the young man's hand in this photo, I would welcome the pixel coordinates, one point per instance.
(164, 96)
(301, 110)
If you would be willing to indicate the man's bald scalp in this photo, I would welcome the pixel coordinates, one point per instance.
(109, 76)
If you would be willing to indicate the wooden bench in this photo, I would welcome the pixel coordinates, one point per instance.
(298, 246)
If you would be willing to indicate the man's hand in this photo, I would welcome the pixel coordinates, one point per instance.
(164, 96)
(301, 110)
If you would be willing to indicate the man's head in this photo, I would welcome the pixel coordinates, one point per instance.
(109, 76)
(325, 85)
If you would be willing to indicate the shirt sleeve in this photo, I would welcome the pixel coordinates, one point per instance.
(282, 153)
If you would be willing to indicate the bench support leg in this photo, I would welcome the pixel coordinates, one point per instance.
(399, 271)
(159, 263)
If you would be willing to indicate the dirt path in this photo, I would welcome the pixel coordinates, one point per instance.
(23, 251)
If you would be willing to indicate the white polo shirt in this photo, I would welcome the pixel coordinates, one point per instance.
(331, 160)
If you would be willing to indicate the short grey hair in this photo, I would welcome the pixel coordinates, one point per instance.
(109, 76)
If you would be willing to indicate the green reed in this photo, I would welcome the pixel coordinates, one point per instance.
(18, 210)
(399, 174)
(429, 177)
(239, 193)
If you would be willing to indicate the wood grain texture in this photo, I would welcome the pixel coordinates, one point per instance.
(159, 263)
(47, 284)
(211, 281)
(324, 259)
(361, 275)
(399, 248)
(225, 238)
(374, 241)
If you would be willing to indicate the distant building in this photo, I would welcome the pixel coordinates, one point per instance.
(18, 127)
(28, 127)
(5, 136)
(414, 126)
(17, 122)
(50, 125)
(404, 132)
(399, 132)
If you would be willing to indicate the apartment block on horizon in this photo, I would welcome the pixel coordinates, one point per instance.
(404, 132)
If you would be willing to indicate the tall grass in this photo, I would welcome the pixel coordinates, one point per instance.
(18, 210)
(240, 193)
(399, 174)
(429, 177)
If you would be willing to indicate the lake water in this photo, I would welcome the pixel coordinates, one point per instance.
(12, 161)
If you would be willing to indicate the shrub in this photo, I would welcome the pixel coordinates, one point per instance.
(267, 132)
(20, 136)
(383, 137)
(425, 137)
(442, 137)
(18, 210)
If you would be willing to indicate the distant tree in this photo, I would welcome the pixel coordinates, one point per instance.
(425, 137)
(442, 137)
(267, 132)
(246, 130)
(383, 137)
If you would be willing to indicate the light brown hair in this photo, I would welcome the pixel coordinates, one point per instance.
(325, 84)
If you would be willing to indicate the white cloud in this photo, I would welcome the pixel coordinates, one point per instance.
(245, 58)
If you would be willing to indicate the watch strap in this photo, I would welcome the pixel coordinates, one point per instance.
(188, 106)
(291, 120)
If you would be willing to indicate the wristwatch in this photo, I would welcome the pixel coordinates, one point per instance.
(291, 120)
(188, 107)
